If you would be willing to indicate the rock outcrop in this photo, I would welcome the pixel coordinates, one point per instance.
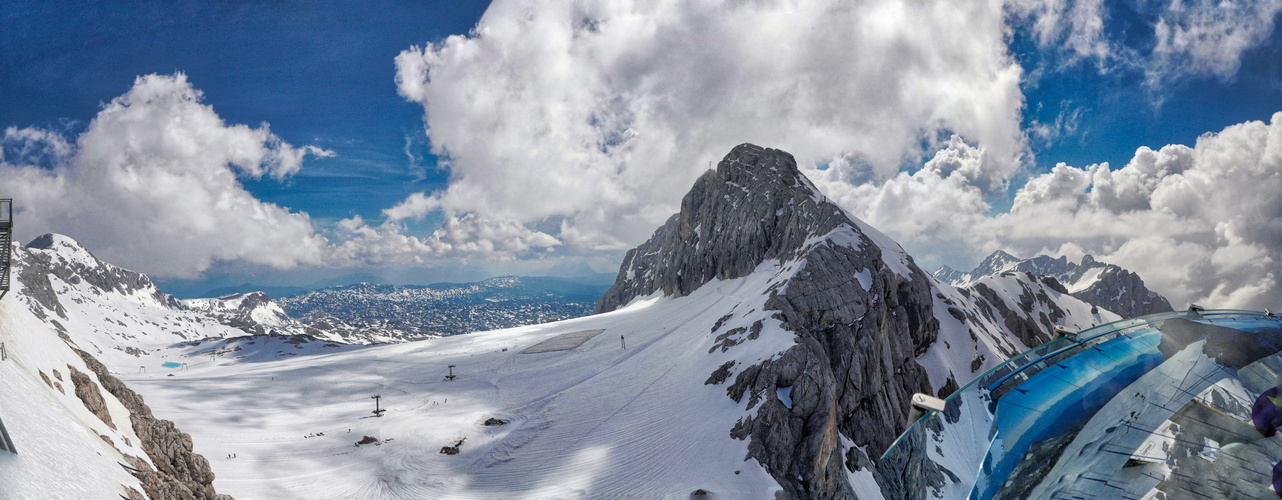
(87, 391)
(1122, 292)
(179, 472)
(860, 309)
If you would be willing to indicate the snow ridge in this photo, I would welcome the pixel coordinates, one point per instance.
(1104, 285)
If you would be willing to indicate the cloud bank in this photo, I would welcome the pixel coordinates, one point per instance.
(152, 184)
(574, 129)
(1180, 40)
(594, 117)
(589, 119)
(1201, 223)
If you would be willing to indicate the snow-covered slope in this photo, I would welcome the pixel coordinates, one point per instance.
(1104, 285)
(763, 340)
(257, 306)
(76, 429)
(121, 317)
(871, 327)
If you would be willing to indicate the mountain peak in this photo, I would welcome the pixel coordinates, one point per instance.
(996, 262)
(68, 248)
(61, 256)
(756, 206)
(1097, 283)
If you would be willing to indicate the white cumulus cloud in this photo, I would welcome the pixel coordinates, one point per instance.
(597, 116)
(151, 184)
(1190, 38)
(1208, 37)
(1199, 224)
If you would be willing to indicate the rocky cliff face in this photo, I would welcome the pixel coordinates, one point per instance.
(871, 328)
(179, 472)
(1122, 292)
(755, 206)
(860, 316)
(1104, 285)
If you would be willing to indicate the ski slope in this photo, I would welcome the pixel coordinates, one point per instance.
(597, 420)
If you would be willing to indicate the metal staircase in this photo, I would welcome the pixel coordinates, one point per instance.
(6, 249)
(6, 243)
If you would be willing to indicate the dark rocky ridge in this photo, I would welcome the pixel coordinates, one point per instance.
(852, 370)
(1123, 292)
(106, 278)
(754, 207)
(1115, 289)
(1031, 330)
(182, 474)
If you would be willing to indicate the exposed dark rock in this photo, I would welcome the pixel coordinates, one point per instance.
(87, 391)
(976, 363)
(180, 473)
(720, 375)
(1102, 285)
(1124, 293)
(755, 206)
(720, 321)
(34, 277)
(1024, 327)
(853, 368)
(102, 276)
(950, 386)
(908, 473)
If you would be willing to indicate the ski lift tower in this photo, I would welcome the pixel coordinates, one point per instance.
(6, 243)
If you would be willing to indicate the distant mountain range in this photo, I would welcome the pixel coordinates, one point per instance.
(1104, 285)
(416, 312)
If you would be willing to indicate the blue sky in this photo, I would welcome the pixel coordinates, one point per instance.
(572, 128)
(318, 72)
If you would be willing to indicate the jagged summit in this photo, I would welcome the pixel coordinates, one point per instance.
(755, 206)
(860, 309)
(869, 327)
(1104, 285)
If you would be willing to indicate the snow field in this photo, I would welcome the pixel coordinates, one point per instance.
(593, 421)
(60, 453)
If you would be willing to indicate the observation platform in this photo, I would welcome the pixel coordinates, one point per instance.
(1173, 405)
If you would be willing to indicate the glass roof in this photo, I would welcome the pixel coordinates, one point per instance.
(1167, 406)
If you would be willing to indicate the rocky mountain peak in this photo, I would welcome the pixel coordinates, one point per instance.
(1097, 283)
(65, 246)
(755, 206)
(860, 311)
(997, 261)
(61, 256)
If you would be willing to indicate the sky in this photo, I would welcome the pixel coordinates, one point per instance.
(294, 143)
